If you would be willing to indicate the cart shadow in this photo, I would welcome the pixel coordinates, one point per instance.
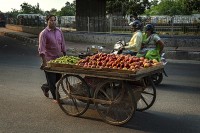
(155, 122)
(91, 118)
(158, 122)
(91, 114)
(179, 88)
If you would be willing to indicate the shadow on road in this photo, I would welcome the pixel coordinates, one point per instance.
(159, 122)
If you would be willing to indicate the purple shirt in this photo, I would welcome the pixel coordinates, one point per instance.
(51, 43)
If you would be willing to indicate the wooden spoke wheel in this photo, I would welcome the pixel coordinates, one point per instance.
(117, 105)
(72, 94)
(148, 96)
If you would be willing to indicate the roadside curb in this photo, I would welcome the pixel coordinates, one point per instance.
(22, 38)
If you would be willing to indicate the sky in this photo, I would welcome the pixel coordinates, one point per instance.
(45, 5)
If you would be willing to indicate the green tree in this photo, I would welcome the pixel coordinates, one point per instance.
(154, 3)
(193, 5)
(174, 7)
(117, 7)
(68, 10)
(13, 13)
(124, 7)
(53, 11)
(138, 6)
(27, 8)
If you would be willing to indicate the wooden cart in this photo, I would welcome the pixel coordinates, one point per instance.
(116, 94)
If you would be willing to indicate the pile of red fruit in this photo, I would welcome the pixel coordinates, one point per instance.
(123, 62)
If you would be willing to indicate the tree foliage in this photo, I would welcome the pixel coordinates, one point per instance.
(27, 8)
(124, 7)
(53, 11)
(13, 13)
(153, 7)
(68, 10)
(193, 5)
(174, 7)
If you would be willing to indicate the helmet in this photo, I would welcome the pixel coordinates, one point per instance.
(136, 23)
(149, 27)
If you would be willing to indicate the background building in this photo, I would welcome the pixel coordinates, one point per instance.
(91, 14)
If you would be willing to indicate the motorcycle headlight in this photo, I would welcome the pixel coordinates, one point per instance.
(117, 46)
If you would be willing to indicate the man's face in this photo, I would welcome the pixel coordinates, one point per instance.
(133, 28)
(52, 22)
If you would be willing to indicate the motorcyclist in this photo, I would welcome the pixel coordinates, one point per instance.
(152, 45)
(134, 45)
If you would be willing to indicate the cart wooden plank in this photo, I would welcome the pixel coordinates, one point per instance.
(105, 73)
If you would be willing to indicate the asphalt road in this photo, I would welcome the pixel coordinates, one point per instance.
(24, 109)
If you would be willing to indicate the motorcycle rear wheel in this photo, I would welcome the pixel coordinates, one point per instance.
(157, 78)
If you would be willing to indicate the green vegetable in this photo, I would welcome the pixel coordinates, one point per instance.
(66, 60)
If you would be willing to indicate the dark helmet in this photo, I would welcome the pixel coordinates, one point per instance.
(149, 27)
(136, 23)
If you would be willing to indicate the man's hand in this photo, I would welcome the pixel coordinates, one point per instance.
(122, 48)
(44, 64)
(42, 67)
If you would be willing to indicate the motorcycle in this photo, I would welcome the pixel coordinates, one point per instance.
(92, 50)
(156, 78)
(117, 47)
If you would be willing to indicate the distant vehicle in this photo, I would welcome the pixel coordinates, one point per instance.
(2, 20)
(67, 21)
(36, 18)
(29, 16)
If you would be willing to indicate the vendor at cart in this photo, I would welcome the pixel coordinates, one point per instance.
(51, 46)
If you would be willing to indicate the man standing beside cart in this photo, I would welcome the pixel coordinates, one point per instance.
(51, 46)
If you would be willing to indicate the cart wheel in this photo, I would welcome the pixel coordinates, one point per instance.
(68, 89)
(157, 78)
(148, 96)
(117, 105)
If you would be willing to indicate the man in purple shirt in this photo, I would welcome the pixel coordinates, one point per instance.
(51, 46)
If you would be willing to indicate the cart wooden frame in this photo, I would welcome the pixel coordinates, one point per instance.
(116, 96)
